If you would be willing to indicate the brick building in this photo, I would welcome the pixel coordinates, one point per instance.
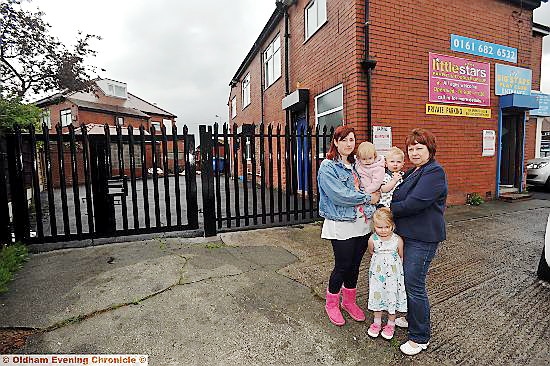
(376, 64)
(108, 102)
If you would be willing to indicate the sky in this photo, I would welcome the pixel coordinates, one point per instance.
(181, 54)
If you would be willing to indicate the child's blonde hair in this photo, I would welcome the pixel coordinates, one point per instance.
(365, 150)
(383, 215)
(395, 151)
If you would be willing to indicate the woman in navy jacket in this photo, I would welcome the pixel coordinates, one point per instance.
(418, 204)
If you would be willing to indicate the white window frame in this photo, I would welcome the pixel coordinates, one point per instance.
(47, 118)
(318, 8)
(156, 126)
(118, 91)
(271, 55)
(330, 111)
(167, 123)
(120, 121)
(234, 107)
(245, 85)
(65, 117)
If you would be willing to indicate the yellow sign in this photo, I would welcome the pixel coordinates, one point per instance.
(453, 110)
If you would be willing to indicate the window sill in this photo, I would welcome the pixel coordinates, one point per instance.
(315, 32)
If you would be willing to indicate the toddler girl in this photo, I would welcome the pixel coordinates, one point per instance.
(386, 282)
(370, 167)
(395, 159)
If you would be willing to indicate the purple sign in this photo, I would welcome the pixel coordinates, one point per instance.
(459, 81)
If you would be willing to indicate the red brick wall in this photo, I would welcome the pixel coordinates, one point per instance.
(402, 35)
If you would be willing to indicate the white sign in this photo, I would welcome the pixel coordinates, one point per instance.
(489, 141)
(381, 138)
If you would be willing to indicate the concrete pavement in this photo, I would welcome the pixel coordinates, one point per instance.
(256, 297)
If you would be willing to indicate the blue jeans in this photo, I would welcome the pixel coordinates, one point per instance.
(417, 257)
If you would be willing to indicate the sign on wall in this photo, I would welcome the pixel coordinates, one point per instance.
(489, 142)
(482, 48)
(544, 105)
(381, 138)
(459, 81)
(455, 110)
(512, 80)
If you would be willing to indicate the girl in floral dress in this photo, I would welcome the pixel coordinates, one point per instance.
(386, 281)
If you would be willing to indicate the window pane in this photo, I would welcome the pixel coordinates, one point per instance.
(321, 11)
(330, 101)
(330, 120)
(277, 43)
(276, 65)
(311, 14)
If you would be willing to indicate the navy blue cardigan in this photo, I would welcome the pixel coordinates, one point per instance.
(418, 204)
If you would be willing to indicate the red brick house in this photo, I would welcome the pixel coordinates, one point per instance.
(375, 63)
(109, 102)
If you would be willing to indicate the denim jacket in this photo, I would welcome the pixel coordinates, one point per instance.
(337, 195)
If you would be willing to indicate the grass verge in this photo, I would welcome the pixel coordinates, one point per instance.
(11, 260)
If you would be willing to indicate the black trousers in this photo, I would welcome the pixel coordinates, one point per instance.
(347, 259)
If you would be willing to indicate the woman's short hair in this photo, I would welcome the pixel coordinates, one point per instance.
(366, 149)
(340, 133)
(424, 137)
(383, 215)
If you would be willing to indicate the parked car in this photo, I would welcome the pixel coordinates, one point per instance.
(538, 172)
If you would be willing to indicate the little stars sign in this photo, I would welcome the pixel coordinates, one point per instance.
(459, 81)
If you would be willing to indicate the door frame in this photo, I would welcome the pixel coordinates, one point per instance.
(519, 174)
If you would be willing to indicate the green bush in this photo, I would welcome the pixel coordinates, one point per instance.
(474, 199)
(11, 259)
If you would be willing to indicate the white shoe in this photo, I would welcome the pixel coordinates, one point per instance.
(410, 350)
(402, 322)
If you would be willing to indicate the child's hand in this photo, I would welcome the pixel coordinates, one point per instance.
(396, 176)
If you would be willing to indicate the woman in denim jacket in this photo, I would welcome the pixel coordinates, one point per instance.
(346, 210)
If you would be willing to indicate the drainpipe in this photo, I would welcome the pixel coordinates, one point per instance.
(368, 65)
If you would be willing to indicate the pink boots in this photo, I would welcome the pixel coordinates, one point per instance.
(332, 307)
(350, 306)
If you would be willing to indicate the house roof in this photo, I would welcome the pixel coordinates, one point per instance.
(107, 108)
(131, 106)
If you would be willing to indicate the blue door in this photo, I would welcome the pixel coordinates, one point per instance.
(302, 154)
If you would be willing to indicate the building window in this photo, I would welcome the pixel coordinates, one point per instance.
(167, 123)
(329, 109)
(65, 119)
(246, 90)
(315, 16)
(272, 61)
(120, 121)
(156, 126)
(117, 91)
(234, 107)
(46, 118)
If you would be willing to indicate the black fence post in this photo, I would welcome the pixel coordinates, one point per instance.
(104, 209)
(17, 187)
(207, 179)
(5, 231)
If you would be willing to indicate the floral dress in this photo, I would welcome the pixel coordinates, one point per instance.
(386, 281)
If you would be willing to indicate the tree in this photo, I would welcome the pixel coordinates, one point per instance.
(31, 60)
(14, 112)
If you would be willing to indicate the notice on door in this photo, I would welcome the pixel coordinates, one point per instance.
(489, 141)
(381, 138)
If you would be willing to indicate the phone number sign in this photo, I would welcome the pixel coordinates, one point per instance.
(482, 48)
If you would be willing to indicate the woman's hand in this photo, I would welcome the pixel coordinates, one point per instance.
(374, 197)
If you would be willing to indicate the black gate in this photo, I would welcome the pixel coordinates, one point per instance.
(75, 185)
(72, 185)
(251, 178)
